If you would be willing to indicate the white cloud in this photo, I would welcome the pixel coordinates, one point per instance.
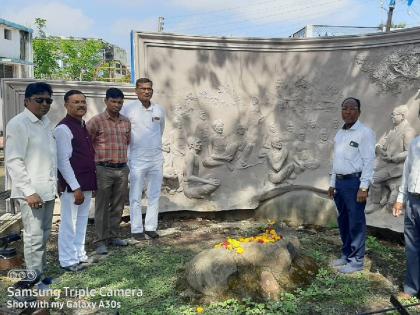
(291, 10)
(208, 4)
(123, 27)
(61, 19)
(231, 15)
(227, 17)
(122, 3)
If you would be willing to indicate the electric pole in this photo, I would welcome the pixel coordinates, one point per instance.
(161, 21)
(390, 11)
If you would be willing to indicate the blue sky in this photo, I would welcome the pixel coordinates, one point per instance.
(112, 20)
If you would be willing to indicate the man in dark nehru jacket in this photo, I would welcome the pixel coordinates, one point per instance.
(77, 178)
(351, 176)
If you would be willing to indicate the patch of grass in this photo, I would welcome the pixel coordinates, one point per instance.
(154, 270)
(374, 245)
(158, 270)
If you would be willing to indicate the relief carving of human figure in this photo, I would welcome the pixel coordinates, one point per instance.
(255, 127)
(176, 150)
(324, 145)
(217, 147)
(202, 130)
(304, 154)
(277, 158)
(195, 186)
(235, 148)
(391, 152)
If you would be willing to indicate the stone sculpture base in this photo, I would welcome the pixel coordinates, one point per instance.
(261, 272)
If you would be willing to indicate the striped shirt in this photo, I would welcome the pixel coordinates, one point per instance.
(110, 137)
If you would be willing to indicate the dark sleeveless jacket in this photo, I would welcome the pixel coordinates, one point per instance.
(82, 159)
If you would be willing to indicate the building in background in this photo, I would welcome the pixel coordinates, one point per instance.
(16, 56)
(310, 31)
(114, 67)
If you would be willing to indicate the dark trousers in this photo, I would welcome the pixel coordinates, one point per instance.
(351, 219)
(412, 245)
(109, 201)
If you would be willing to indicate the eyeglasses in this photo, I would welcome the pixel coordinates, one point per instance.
(352, 109)
(40, 100)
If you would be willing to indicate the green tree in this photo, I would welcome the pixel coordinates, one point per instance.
(80, 58)
(45, 53)
(65, 59)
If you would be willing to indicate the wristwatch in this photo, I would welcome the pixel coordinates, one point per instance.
(364, 189)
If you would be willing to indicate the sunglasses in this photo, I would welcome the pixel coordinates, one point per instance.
(40, 100)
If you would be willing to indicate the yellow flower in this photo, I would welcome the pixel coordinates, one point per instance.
(200, 310)
(240, 250)
(234, 243)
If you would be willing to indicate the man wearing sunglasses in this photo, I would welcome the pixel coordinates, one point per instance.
(29, 140)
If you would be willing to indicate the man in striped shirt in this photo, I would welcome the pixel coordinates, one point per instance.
(110, 132)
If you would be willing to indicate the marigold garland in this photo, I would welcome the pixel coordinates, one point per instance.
(269, 236)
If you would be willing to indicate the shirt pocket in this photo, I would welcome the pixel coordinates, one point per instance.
(156, 122)
(351, 152)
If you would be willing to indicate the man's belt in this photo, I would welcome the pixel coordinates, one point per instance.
(348, 176)
(415, 195)
(112, 165)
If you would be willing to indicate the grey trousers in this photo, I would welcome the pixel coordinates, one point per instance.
(412, 245)
(109, 201)
(36, 231)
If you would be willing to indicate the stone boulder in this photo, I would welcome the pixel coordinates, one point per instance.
(299, 207)
(261, 272)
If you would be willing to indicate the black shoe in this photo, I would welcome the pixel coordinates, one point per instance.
(101, 249)
(47, 280)
(119, 242)
(23, 284)
(73, 268)
(151, 235)
(138, 236)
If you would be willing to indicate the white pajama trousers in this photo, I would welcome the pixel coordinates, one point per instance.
(72, 232)
(151, 174)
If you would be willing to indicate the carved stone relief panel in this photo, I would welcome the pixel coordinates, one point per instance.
(277, 105)
(397, 70)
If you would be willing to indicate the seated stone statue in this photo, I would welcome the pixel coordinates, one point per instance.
(391, 152)
(276, 159)
(217, 153)
(194, 185)
(304, 154)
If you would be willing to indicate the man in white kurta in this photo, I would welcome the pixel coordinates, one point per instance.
(145, 158)
(31, 166)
